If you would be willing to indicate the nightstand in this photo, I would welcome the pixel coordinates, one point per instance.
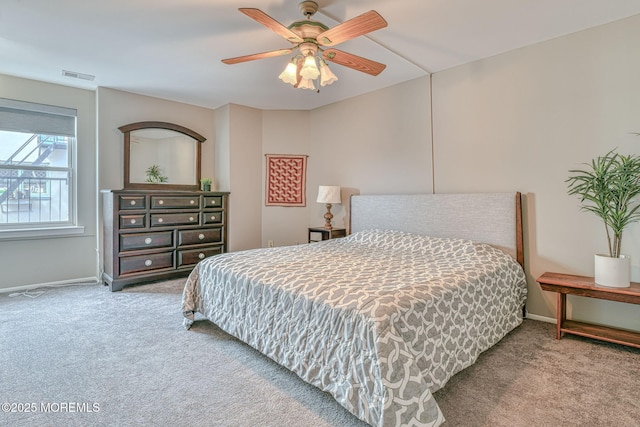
(326, 234)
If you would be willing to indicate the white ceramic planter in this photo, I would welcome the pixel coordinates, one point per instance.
(612, 272)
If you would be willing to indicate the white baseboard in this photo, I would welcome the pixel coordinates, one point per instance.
(80, 281)
(541, 318)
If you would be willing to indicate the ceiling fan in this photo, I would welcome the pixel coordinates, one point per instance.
(310, 37)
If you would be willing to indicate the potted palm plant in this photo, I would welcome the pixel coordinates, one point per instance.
(609, 187)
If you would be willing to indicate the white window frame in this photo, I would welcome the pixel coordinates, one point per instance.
(44, 119)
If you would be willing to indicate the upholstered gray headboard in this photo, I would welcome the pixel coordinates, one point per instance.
(493, 218)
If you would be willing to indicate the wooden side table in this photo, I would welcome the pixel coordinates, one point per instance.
(583, 286)
(326, 234)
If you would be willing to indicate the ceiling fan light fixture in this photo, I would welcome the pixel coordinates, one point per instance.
(309, 68)
(326, 75)
(289, 73)
(309, 37)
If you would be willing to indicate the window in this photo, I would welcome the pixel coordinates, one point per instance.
(37, 148)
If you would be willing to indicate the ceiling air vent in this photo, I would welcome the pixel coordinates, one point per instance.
(77, 75)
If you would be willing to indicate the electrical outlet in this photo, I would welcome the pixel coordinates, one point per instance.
(270, 243)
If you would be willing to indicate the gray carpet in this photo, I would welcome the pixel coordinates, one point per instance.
(87, 356)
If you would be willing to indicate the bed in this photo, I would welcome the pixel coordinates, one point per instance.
(384, 317)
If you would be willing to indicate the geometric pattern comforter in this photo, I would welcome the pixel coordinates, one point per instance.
(379, 319)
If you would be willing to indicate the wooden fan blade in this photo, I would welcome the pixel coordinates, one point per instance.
(363, 24)
(264, 19)
(353, 61)
(255, 56)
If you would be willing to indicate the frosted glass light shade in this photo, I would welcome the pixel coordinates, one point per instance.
(326, 75)
(328, 194)
(289, 74)
(306, 84)
(309, 68)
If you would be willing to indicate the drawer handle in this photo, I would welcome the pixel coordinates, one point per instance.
(148, 262)
(201, 236)
(160, 220)
(161, 202)
(213, 217)
(148, 240)
(190, 218)
(213, 202)
(192, 201)
(133, 221)
(133, 202)
(201, 255)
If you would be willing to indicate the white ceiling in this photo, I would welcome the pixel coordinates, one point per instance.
(172, 48)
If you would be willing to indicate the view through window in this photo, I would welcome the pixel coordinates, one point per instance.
(36, 151)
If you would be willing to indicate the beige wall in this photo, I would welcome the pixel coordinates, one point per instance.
(54, 260)
(285, 132)
(117, 108)
(521, 120)
(375, 143)
(222, 173)
(245, 157)
(243, 136)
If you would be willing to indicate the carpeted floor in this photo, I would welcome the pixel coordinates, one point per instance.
(81, 355)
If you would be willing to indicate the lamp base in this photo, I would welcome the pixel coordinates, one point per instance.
(327, 217)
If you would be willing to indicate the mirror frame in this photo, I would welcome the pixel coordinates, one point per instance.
(127, 129)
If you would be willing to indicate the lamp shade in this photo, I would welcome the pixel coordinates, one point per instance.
(328, 194)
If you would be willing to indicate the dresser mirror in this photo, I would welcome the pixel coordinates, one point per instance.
(161, 155)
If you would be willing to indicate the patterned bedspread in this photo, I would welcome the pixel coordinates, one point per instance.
(379, 319)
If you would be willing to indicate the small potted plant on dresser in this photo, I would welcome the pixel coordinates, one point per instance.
(205, 184)
(609, 187)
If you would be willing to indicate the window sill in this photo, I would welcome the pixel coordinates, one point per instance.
(41, 233)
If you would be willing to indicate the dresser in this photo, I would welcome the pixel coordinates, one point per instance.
(159, 235)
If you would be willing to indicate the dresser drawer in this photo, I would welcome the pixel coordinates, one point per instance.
(213, 217)
(201, 236)
(173, 219)
(132, 221)
(132, 242)
(193, 256)
(136, 263)
(213, 201)
(175, 202)
(131, 202)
